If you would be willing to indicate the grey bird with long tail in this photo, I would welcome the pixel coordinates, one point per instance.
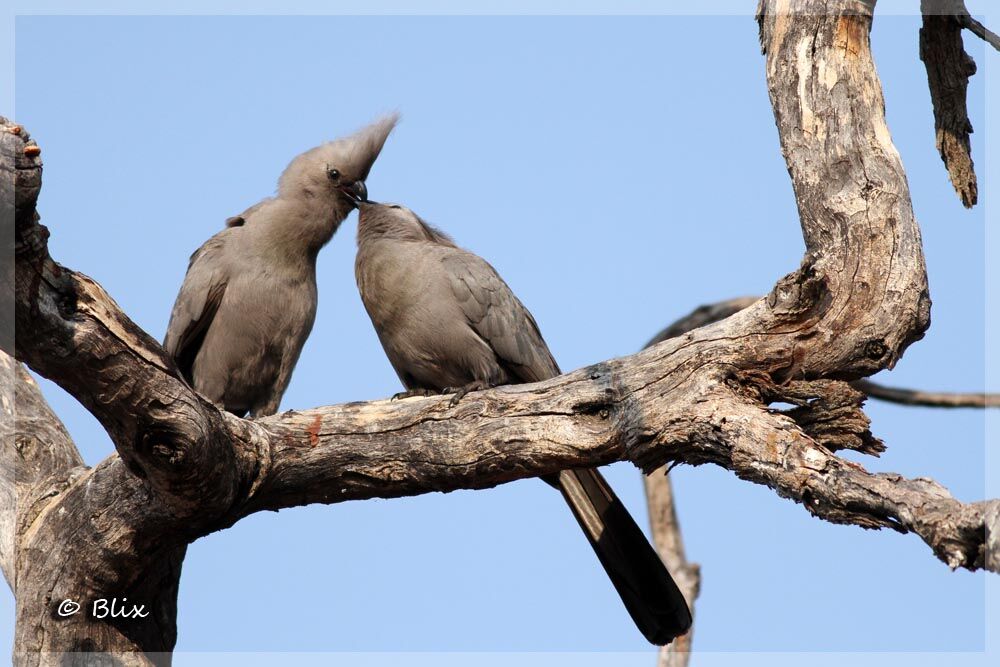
(449, 323)
(249, 298)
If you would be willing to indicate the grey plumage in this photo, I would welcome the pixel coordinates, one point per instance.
(249, 298)
(448, 322)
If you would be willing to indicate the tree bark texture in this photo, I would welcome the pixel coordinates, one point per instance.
(663, 521)
(949, 68)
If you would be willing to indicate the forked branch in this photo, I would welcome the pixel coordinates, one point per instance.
(183, 469)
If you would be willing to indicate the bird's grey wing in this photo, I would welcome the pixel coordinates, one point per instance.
(198, 301)
(499, 317)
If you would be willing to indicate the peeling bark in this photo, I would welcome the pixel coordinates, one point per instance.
(949, 68)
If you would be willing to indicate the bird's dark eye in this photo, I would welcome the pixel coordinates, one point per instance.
(333, 174)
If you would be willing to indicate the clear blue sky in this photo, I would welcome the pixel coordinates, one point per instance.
(617, 171)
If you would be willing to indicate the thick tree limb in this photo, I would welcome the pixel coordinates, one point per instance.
(713, 312)
(660, 494)
(183, 469)
(78, 534)
(37, 456)
(8, 490)
(949, 68)
(61, 513)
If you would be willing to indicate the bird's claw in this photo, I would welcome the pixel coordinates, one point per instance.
(460, 392)
(410, 393)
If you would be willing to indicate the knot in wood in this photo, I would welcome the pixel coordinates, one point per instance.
(875, 349)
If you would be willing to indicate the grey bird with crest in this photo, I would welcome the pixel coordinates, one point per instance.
(449, 323)
(249, 298)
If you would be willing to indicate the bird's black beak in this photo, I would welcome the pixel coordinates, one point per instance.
(357, 192)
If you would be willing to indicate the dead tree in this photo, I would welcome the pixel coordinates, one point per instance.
(182, 469)
(948, 71)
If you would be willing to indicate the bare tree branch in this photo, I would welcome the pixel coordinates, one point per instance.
(948, 70)
(183, 469)
(703, 315)
(979, 30)
(660, 494)
(958, 9)
(79, 534)
(713, 312)
(659, 491)
(929, 399)
(670, 545)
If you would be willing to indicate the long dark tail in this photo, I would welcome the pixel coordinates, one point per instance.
(643, 582)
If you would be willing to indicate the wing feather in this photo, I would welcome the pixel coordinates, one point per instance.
(499, 317)
(198, 301)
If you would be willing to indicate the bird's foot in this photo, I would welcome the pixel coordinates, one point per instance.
(460, 392)
(410, 393)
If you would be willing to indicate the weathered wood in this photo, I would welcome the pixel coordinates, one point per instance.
(69, 532)
(714, 312)
(663, 521)
(36, 454)
(183, 469)
(948, 70)
(8, 490)
(659, 491)
(75, 536)
(670, 545)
